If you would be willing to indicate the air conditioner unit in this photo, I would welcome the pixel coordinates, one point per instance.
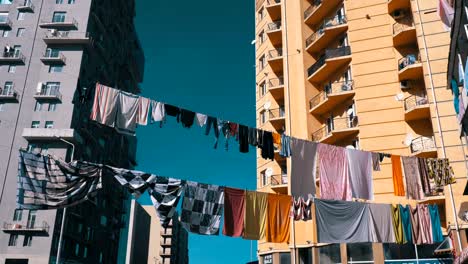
(404, 85)
(398, 14)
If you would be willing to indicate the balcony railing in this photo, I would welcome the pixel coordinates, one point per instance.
(330, 89)
(402, 25)
(275, 82)
(408, 60)
(13, 56)
(313, 6)
(273, 2)
(339, 123)
(5, 21)
(54, 57)
(276, 113)
(50, 92)
(279, 179)
(8, 227)
(414, 101)
(276, 53)
(59, 22)
(8, 93)
(329, 54)
(27, 5)
(422, 143)
(166, 232)
(331, 22)
(274, 26)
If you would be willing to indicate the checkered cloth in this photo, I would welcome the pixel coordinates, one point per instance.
(164, 192)
(202, 208)
(45, 182)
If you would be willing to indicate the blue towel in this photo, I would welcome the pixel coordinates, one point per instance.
(437, 236)
(456, 94)
(407, 227)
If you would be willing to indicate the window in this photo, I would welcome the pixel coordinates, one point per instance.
(38, 106)
(59, 1)
(396, 251)
(5, 33)
(31, 219)
(31, 147)
(49, 124)
(20, 32)
(18, 215)
(305, 255)
(12, 240)
(77, 249)
(55, 68)
(262, 117)
(52, 88)
(330, 254)
(12, 68)
(52, 53)
(70, 2)
(79, 228)
(88, 233)
(85, 252)
(103, 220)
(59, 17)
(3, 17)
(35, 124)
(285, 258)
(6, 2)
(263, 89)
(8, 87)
(2, 107)
(263, 177)
(52, 107)
(16, 50)
(261, 14)
(360, 253)
(262, 62)
(27, 241)
(261, 37)
(21, 15)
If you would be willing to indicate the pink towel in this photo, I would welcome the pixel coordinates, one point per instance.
(334, 173)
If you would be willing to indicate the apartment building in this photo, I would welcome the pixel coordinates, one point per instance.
(53, 53)
(364, 74)
(151, 243)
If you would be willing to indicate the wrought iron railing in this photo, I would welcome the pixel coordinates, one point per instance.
(276, 113)
(274, 25)
(275, 53)
(51, 91)
(408, 60)
(278, 179)
(275, 82)
(330, 89)
(329, 53)
(402, 25)
(338, 123)
(313, 6)
(413, 101)
(422, 143)
(330, 22)
(9, 227)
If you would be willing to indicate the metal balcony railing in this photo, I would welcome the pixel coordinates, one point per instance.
(330, 22)
(275, 82)
(313, 6)
(276, 113)
(8, 91)
(422, 143)
(402, 25)
(278, 179)
(51, 91)
(54, 55)
(15, 54)
(274, 26)
(329, 53)
(339, 123)
(414, 101)
(330, 89)
(275, 53)
(60, 21)
(8, 227)
(27, 4)
(5, 21)
(408, 60)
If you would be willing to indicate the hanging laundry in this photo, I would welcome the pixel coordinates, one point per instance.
(382, 223)
(277, 140)
(405, 212)
(397, 176)
(233, 128)
(212, 122)
(416, 237)
(446, 13)
(136, 182)
(460, 71)
(285, 150)
(105, 105)
(456, 95)
(423, 172)
(360, 168)
(45, 182)
(225, 128)
(302, 210)
(465, 79)
(201, 119)
(398, 225)
(143, 110)
(334, 173)
(202, 208)
(255, 215)
(253, 136)
(172, 111)
(127, 113)
(342, 221)
(278, 222)
(425, 223)
(158, 112)
(376, 161)
(234, 212)
(243, 139)
(187, 118)
(303, 167)
(268, 151)
(259, 138)
(413, 178)
(437, 235)
(441, 172)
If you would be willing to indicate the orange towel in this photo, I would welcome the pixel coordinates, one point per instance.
(276, 139)
(398, 187)
(278, 219)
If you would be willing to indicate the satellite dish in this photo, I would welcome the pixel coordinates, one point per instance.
(267, 105)
(253, 42)
(269, 172)
(350, 111)
(408, 139)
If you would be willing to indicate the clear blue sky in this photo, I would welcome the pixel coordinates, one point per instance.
(199, 56)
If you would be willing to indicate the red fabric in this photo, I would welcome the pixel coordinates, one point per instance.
(234, 211)
(233, 128)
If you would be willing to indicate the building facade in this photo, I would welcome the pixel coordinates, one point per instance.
(364, 74)
(54, 52)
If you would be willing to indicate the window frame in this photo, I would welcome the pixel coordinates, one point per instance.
(49, 124)
(12, 241)
(18, 215)
(21, 15)
(20, 32)
(35, 124)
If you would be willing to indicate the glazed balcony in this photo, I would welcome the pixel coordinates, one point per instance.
(339, 129)
(404, 32)
(274, 32)
(27, 6)
(66, 37)
(5, 22)
(8, 93)
(329, 63)
(410, 67)
(59, 23)
(417, 107)
(318, 9)
(28, 229)
(277, 117)
(49, 93)
(397, 4)
(276, 87)
(329, 31)
(275, 60)
(333, 95)
(273, 8)
(423, 147)
(12, 57)
(52, 57)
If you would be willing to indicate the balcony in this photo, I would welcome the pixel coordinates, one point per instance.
(165, 253)
(333, 95)
(329, 31)
(329, 63)
(273, 8)
(12, 57)
(26, 229)
(279, 183)
(410, 67)
(59, 23)
(53, 58)
(277, 117)
(404, 32)
(49, 93)
(8, 94)
(27, 6)
(166, 233)
(51, 134)
(398, 4)
(417, 107)
(5, 22)
(339, 129)
(318, 9)
(274, 33)
(166, 242)
(275, 59)
(423, 147)
(54, 37)
(276, 88)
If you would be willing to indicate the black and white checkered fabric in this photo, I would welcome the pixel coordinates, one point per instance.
(202, 208)
(45, 182)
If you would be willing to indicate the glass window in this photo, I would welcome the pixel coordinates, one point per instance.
(71, 2)
(52, 107)
(3, 16)
(285, 258)
(80, 228)
(85, 252)
(6, 2)
(18, 215)
(330, 254)
(262, 62)
(31, 147)
(52, 53)
(263, 177)
(396, 251)
(59, 17)
(21, 15)
(2, 107)
(100, 257)
(49, 124)
(20, 32)
(27, 241)
(359, 252)
(103, 220)
(77, 249)
(16, 50)
(12, 240)
(38, 106)
(52, 88)
(263, 89)
(8, 87)
(59, 1)
(88, 233)
(262, 117)
(35, 124)
(5, 33)
(267, 259)
(12, 68)
(55, 68)
(31, 219)
(305, 256)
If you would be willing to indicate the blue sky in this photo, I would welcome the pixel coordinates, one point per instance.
(199, 56)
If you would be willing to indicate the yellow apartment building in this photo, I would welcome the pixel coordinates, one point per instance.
(371, 74)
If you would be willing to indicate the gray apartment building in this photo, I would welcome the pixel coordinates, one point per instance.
(52, 54)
